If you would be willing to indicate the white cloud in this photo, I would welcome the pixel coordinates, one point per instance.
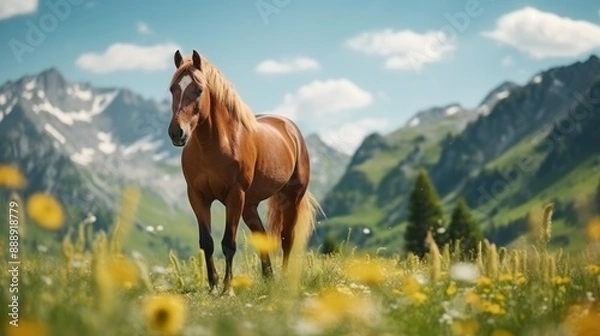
(271, 66)
(143, 28)
(507, 61)
(349, 136)
(320, 98)
(543, 35)
(10, 8)
(404, 49)
(123, 56)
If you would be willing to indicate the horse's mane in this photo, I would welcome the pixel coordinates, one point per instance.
(222, 90)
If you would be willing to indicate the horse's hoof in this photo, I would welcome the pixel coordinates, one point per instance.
(228, 292)
(213, 291)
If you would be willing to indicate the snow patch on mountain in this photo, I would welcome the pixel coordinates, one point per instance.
(68, 118)
(9, 108)
(80, 93)
(503, 94)
(27, 95)
(452, 110)
(142, 145)
(84, 157)
(106, 145)
(29, 86)
(55, 133)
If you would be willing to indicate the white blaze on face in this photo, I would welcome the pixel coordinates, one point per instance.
(183, 84)
(187, 128)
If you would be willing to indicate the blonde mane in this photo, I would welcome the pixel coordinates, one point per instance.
(221, 89)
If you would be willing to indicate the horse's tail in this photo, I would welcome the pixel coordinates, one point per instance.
(306, 216)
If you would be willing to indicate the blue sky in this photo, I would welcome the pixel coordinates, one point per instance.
(340, 68)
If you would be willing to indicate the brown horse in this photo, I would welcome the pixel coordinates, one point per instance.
(239, 159)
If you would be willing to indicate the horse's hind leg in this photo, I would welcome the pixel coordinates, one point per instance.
(287, 234)
(252, 220)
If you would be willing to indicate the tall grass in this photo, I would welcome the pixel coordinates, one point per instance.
(95, 288)
(98, 291)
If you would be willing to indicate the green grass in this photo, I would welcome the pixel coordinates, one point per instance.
(578, 184)
(381, 163)
(520, 291)
(524, 149)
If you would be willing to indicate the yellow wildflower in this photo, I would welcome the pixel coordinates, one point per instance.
(370, 273)
(520, 279)
(165, 313)
(451, 290)
(263, 242)
(593, 269)
(464, 328)
(46, 211)
(493, 308)
(241, 281)
(417, 297)
(11, 177)
(28, 328)
(505, 277)
(484, 281)
(123, 271)
(499, 297)
(473, 299)
(593, 229)
(410, 285)
(561, 280)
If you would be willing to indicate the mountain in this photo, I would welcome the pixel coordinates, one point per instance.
(327, 165)
(519, 147)
(434, 114)
(83, 144)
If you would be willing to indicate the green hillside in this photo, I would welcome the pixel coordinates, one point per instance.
(506, 163)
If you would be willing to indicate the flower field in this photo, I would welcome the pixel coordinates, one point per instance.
(98, 287)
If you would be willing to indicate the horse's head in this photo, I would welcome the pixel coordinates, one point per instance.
(191, 103)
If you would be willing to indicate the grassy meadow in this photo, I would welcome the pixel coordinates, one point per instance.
(96, 285)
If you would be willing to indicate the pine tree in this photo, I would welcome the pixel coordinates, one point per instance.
(424, 214)
(464, 228)
(329, 245)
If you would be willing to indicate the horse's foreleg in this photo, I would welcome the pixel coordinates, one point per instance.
(252, 220)
(234, 205)
(202, 212)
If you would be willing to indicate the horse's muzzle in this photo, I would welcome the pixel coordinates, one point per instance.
(178, 138)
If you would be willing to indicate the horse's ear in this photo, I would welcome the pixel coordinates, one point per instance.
(178, 58)
(197, 60)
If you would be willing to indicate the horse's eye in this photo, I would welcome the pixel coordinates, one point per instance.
(198, 91)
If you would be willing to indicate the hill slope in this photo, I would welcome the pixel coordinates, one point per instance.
(468, 150)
